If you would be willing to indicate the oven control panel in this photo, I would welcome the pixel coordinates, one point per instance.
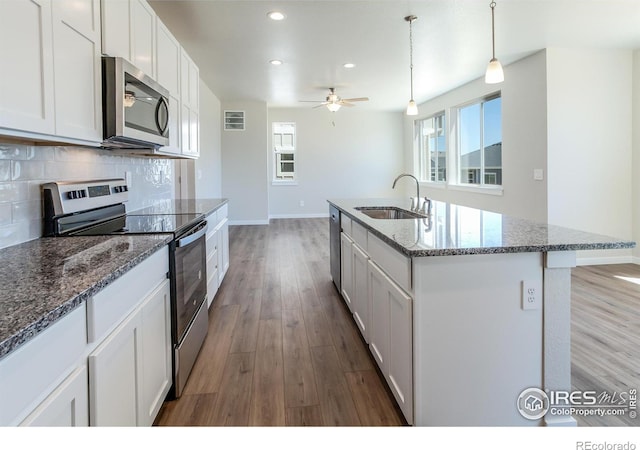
(67, 197)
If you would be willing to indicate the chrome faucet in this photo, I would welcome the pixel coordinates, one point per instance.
(416, 204)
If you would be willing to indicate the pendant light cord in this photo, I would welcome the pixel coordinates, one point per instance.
(493, 31)
(410, 19)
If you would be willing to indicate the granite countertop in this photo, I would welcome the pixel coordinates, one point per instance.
(458, 230)
(44, 279)
(203, 206)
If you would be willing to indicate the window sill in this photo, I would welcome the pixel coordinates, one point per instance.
(433, 184)
(284, 183)
(489, 190)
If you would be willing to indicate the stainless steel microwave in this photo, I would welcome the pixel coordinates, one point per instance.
(135, 109)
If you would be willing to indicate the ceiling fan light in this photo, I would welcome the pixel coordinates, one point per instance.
(494, 73)
(333, 107)
(412, 108)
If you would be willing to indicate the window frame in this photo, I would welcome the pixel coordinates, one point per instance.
(424, 155)
(291, 150)
(456, 182)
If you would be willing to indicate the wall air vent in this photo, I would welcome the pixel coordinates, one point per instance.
(234, 120)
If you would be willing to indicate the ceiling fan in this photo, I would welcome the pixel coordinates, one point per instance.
(333, 102)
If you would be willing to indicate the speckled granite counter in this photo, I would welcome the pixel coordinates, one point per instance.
(203, 206)
(44, 279)
(458, 230)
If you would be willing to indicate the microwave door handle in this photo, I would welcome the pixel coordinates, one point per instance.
(193, 236)
(162, 103)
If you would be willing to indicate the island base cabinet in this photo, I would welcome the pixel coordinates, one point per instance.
(346, 267)
(391, 336)
(476, 348)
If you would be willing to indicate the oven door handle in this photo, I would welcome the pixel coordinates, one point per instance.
(194, 235)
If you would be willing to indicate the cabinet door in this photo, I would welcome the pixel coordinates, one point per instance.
(346, 265)
(155, 358)
(361, 291)
(379, 315)
(116, 28)
(400, 357)
(113, 369)
(143, 47)
(26, 52)
(67, 406)
(167, 59)
(77, 66)
(223, 249)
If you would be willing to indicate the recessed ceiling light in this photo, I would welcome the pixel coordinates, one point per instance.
(275, 62)
(276, 15)
(348, 65)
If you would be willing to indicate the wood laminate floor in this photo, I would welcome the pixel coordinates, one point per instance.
(605, 334)
(282, 348)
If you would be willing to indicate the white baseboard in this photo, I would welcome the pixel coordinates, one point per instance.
(249, 222)
(607, 260)
(299, 216)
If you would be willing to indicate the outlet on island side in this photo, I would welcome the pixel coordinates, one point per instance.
(531, 294)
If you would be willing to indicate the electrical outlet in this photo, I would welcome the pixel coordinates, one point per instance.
(301, 203)
(531, 294)
(538, 174)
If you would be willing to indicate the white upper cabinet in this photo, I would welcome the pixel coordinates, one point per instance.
(189, 113)
(76, 62)
(168, 75)
(128, 31)
(26, 90)
(53, 87)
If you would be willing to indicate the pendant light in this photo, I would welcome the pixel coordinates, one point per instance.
(494, 72)
(412, 108)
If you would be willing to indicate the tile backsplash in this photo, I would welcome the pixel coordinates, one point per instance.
(24, 168)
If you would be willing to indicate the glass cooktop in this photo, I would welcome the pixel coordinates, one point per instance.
(144, 224)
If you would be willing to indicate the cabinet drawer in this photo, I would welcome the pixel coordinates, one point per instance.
(394, 263)
(109, 307)
(359, 235)
(345, 224)
(32, 372)
(212, 240)
(222, 213)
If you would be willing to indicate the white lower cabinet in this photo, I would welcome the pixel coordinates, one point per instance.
(346, 266)
(217, 251)
(391, 336)
(108, 362)
(67, 406)
(130, 372)
(361, 290)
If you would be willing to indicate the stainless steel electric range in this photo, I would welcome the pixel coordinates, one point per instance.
(97, 207)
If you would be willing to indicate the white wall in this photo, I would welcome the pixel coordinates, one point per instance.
(359, 156)
(208, 168)
(636, 154)
(244, 162)
(523, 143)
(590, 143)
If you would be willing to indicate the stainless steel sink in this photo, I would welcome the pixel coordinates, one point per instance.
(389, 212)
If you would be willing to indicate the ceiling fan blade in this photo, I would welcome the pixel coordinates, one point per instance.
(321, 104)
(343, 103)
(359, 99)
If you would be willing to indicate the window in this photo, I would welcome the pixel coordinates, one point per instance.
(284, 149)
(480, 142)
(432, 149)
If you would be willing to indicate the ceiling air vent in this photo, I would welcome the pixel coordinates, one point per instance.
(234, 120)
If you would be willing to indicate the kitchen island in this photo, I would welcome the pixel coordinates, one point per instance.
(463, 309)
